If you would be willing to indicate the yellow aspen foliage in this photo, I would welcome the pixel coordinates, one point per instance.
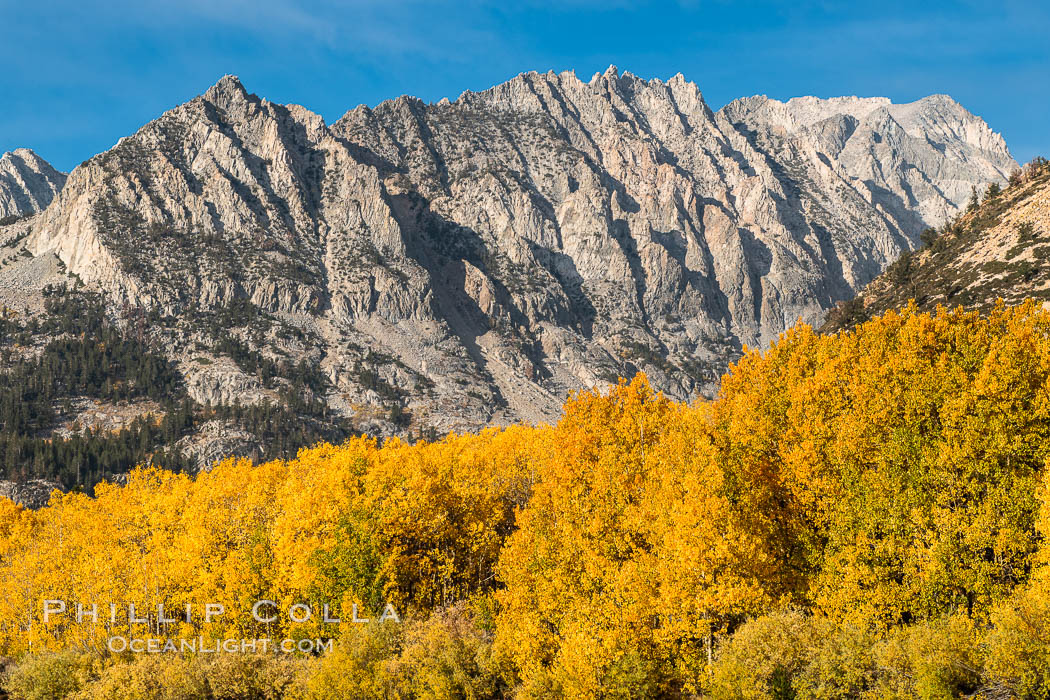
(872, 481)
(897, 463)
(627, 556)
(1019, 640)
(413, 526)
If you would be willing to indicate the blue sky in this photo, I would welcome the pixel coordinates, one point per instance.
(78, 75)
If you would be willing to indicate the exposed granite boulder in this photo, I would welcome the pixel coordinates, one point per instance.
(34, 493)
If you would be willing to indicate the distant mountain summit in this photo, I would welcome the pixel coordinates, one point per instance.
(917, 162)
(450, 265)
(28, 183)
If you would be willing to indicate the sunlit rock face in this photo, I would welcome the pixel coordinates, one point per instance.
(489, 255)
(28, 183)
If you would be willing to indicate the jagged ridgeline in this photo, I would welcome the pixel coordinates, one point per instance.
(437, 267)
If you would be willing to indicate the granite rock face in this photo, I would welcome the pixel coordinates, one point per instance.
(474, 261)
(918, 162)
(28, 183)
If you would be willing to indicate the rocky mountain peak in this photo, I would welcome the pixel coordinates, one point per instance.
(28, 183)
(910, 158)
(227, 91)
(610, 73)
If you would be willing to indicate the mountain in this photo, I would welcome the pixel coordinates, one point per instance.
(28, 183)
(997, 250)
(916, 162)
(418, 268)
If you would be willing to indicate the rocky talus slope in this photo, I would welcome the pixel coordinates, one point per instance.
(28, 183)
(456, 264)
(999, 250)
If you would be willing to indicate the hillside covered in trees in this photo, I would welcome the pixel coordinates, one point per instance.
(862, 514)
(76, 352)
(997, 249)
